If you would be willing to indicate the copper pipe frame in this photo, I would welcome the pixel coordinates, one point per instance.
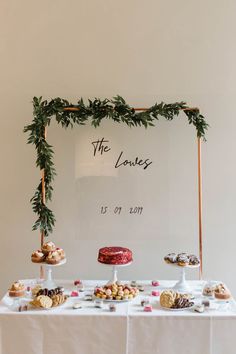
(74, 108)
(44, 202)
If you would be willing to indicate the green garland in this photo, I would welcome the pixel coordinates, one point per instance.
(116, 109)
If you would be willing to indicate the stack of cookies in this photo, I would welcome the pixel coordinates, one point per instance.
(49, 254)
(46, 299)
(173, 300)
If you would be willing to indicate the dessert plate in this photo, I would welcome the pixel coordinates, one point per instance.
(115, 301)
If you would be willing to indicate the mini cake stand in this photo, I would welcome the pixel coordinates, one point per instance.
(182, 286)
(48, 282)
(115, 268)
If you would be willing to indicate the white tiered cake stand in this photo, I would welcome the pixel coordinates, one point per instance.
(48, 282)
(182, 286)
(115, 268)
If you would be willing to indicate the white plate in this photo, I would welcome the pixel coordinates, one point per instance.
(107, 300)
(182, 309)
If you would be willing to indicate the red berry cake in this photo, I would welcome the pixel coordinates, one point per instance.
(114, 255)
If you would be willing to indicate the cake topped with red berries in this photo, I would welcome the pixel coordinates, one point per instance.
(115, 255)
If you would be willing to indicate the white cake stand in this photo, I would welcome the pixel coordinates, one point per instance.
(48, 282)
(182, 286)
(115, 268)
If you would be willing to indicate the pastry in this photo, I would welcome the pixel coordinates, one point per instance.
(170, 258)
(77, 305)
(155, 293)
(112, 307)
(115, 255)
(167, 298)
(208, 290)
(193, 260)
(37, 257)
(147, 308)
(155, 283)
(182, 259)
(115, 292)
(48, 247)
(199, 308)
(53, 258)
(61, 253)
(221, 292)
(17, 289)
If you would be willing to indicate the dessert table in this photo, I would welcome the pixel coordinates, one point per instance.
(129, 330)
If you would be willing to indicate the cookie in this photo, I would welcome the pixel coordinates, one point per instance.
(167, 298)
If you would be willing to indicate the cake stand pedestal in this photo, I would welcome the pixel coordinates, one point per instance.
(115, 268)
(48, 282)
(182, 285)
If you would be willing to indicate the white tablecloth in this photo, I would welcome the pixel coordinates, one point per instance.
(129, 330)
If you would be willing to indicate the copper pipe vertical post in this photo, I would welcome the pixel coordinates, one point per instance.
(200, 204)
(44, 202)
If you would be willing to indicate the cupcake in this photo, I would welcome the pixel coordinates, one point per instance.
(48, 247)
(17, 289)
(53, 258)
(37, 256)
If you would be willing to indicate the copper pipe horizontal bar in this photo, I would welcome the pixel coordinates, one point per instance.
(74, 109)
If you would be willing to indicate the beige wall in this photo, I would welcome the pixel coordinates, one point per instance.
(145, 51)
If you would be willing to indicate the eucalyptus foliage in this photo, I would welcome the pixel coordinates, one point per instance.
(67, 115)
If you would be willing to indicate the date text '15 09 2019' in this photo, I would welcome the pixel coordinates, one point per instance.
(137, 210)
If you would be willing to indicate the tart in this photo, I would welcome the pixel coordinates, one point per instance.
(17, 289)
(221, 292)
(48, 247)
(53, 258)
(37, 257)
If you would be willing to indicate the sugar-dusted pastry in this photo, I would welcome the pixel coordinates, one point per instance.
(182, 259)
(61, 252)
(170, 258)
(167, 298)
(37, 257)
(193, 260)
(221, 292)
(17, 289)
(53, 258)
(48, 247)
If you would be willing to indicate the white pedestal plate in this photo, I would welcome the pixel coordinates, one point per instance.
(114, 268)
(48, 282)
(182, 285)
